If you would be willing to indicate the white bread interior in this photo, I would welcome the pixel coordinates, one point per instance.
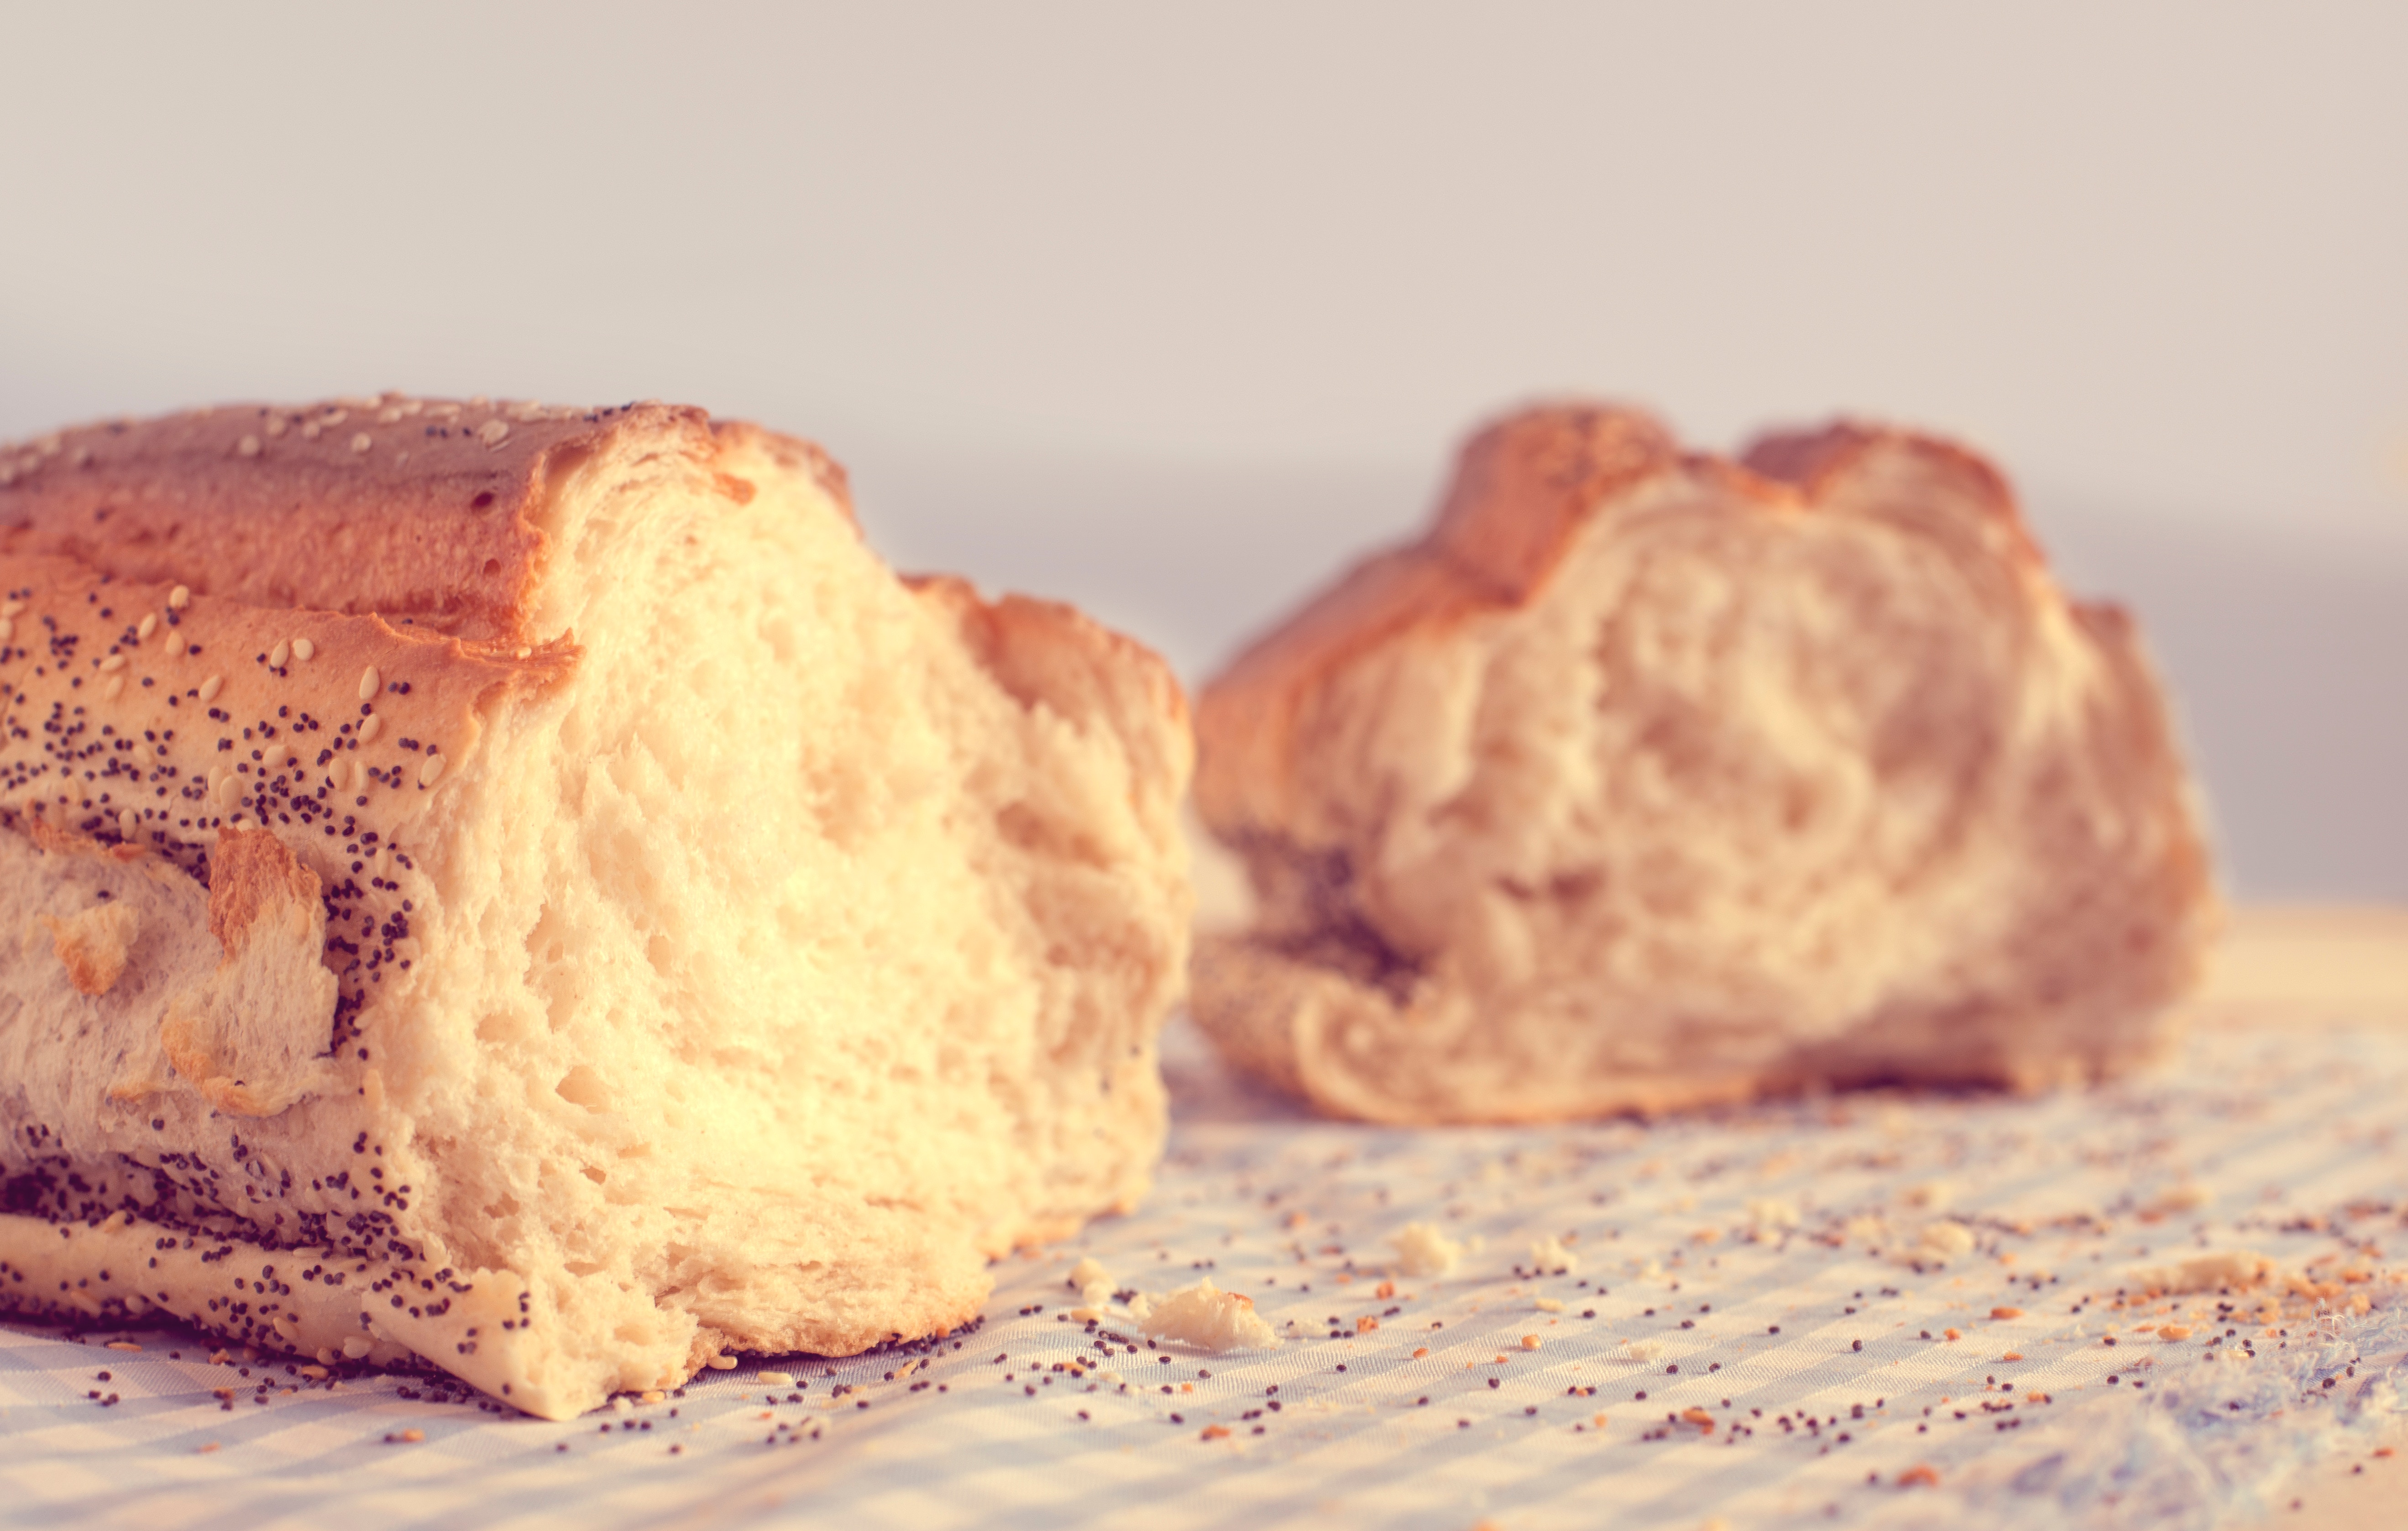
(786, 942)
(1648, 781)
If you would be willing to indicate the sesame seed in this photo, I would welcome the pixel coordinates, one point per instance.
(230, 790)
(370, 682)
(303, 651)
(336, 417)
(149, 625)
(115, 688)
(493, 431)
(180, 597)
(432, 769)
(276, 425)
(370, 726)
(112, 664)
(7, 628)
(247, 447)
(390, 415)
(210, 687)
(311, 432)
(361, 442)
(128, 824)
(10, 608)
(277, 655)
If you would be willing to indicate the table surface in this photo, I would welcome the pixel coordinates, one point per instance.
(1524, 1401)
(2319, 966)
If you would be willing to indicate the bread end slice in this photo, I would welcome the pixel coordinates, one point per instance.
(1648, 779)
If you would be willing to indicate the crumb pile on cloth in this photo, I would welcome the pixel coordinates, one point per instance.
(2155, 1300)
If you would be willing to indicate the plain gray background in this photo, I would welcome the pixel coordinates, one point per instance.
(1174, 312)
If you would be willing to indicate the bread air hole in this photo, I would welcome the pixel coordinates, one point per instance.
(582, 1086)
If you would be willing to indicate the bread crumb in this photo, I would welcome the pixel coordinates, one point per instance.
(2207, 1273)
(1423, 1251)
(1944, 1239)
(2006, 1312)
(1208, 1319)
(1919, 1476)
(1642, 1350)
(1549, 1257)
(93, 944)
(1529, 1342)
(1931, 1196)
(1770, 1214)
(1089, 1272)
(2172, 1332)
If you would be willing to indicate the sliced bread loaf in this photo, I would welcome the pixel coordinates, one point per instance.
(1647, 778)
(529, 890)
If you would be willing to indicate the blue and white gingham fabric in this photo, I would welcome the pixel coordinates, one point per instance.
(1742, 1341)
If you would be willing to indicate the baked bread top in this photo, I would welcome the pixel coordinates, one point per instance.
(1647, 777)
(539, 867)
(423, 509)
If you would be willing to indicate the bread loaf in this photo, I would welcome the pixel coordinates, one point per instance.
(528, 889)
(1647, 779)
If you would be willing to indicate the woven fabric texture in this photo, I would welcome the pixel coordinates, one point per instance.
(2154, 1300)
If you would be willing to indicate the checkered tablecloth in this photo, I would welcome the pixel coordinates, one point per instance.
(1869, 1309)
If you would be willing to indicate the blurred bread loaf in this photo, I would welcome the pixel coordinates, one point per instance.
(1647, 779)
(529, 890)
